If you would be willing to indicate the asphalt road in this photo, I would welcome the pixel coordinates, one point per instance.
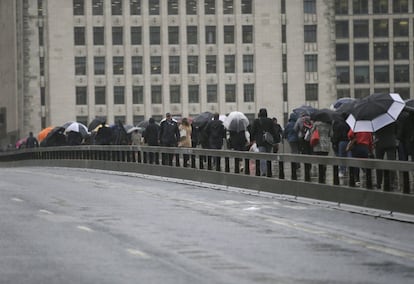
(60, 225)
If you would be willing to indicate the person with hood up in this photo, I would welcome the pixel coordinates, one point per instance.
(261, 125)
(151, 138)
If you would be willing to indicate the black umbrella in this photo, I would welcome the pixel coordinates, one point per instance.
(56, 137)
(202, 119)
(304, 109)
(339, 102)
(346, 107)
(375, 111)
(96, 122)
(325, 115)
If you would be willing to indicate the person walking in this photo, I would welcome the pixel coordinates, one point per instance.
(185, 138)
(261, 125)
(279, 134)
(386, 147)
(169, 137)
(322, 145)
(31, 141)
(151, 138)
(215, 133)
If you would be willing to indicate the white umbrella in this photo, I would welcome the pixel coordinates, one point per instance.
(374, 112)
(77, 127)
(236, 121)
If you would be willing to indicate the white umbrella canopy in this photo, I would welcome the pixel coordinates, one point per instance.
(76, 127)
(236, 121)
(375, 111)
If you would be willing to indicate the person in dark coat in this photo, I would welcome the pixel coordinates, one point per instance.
(104, 135)
(386, 147)
(215, 133)
(31, 141)
(260, 125)
(151, 137)
(169, 136)
(73, 138)
(340, 140)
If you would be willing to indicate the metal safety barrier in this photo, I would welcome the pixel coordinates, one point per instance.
(296, 175)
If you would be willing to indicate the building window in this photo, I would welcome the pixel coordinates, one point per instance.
(246, 7)
(400, 6)
(80, 65)
(228, 7)
(230, 93)
(310, 33)
(41, 36)
(211, 93)
(137, 95)
(191, 7)
(78, 7)
(248, 63)
(155, 64)
(211, 64)
(401, 27)
(341, 7)
(380, 6)
(311, 63)
(173, 7)
(173, 35)
(381, 90)
(285, 92)
(175, 94)
(174, 64)
(311, 92)
(119, 95)
(136, 35)
(283, 33)
(193, 94)
(360, 6)
(284, 63)
(117, 36)
(42, 96)
(401, 50)
(210, 34)
(81, 97)
(82, 119)
(116, 7)
(361, 74)
(155, 35)
(98, 36)
(156, 94)
(342, 93)
(79, 33)
(192, 64)
(381, 74)
(401, 73)
(248, 93)
(381, 28)
(342, 52)
(135, 7)
(97, 7)
(42, 66)
(229, 63)
(228, 34)
(100, 95)
(361, 93)
(154, 7)
(118, 65)
(341, 29)
(361, 51)
(403, 92)
(192, 37)
(342, 75)
(247, 34)
(99, 65)
(361, 28)
(381, 51)
(137, 119)
(136, 62)
(209, 7)
(309, 6)
(119, 119)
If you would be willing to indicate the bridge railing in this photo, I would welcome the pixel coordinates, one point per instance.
(302, 175)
